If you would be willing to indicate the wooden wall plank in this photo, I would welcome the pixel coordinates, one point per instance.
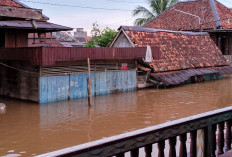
(16, 12)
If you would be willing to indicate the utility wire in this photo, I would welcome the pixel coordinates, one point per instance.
(24, 71)
(75, 6)
(123, 1)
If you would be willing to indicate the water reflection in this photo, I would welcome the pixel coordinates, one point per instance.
(33, 129)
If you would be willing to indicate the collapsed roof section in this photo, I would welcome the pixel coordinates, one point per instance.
(194, 15)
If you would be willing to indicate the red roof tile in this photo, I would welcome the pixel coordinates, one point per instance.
(174, 20)
(179, 50)
(10, 3)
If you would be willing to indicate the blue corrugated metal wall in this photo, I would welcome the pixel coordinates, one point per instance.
(56, 88)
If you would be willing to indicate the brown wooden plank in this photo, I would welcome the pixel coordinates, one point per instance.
(16, 12)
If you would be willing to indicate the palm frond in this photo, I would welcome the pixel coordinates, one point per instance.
(140, 10)
(141, 21)
(156, 7)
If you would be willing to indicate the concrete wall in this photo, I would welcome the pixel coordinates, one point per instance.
(19, 80)
(54, 88)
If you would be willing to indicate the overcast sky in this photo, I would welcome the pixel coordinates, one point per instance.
(76, 17)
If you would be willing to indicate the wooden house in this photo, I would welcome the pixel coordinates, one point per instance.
(34, 69)
(199, 15)
(183, 54)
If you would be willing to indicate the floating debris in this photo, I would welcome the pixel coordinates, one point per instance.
(2, 108)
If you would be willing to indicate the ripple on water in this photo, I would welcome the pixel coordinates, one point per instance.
(12, 155)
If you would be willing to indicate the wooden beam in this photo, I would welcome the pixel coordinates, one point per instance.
(25, 13)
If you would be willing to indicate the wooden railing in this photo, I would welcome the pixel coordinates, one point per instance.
(145, 138)
(48, 56)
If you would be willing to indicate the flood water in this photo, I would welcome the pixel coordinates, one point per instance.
(28, 129)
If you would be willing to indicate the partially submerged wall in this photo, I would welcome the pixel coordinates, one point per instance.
(49, 84)
(19, 80)
(55, 88)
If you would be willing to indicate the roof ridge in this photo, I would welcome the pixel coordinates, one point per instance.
(153, 30)
(215, 13)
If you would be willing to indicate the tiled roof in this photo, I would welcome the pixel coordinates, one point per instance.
(49, 42)
(11, 3)
(176, 20)
(179, 50)
(48, 36)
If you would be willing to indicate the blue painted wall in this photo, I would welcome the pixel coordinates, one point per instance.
(55, 88)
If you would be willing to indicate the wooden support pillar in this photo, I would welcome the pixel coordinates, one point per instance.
(183, 150)
(228, 135)
(135, 152)
(161, 146)
(148, 150)
(193, 144)
(89, 85)
(211, 143)
(220, 138)
(172, 144)
(120, 155)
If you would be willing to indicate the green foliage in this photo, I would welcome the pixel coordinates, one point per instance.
(106, 37)
(103, 39)
(90, 43)
(156, 7)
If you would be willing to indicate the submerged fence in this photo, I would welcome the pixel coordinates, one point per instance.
(131, 142)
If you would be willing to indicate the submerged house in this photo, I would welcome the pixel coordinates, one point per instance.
(44, 73)
(199, 15)
(183, 55)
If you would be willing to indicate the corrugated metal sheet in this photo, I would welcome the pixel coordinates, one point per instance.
(45, 26)
(177, 77)
(56, 88)
(48, 56)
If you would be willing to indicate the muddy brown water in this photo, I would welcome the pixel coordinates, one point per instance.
(28, 129)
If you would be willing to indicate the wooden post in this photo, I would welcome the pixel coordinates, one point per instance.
(89, 85)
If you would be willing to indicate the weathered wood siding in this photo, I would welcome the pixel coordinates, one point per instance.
(19, 84)
(16, 38)
(54, 88)
(122, 41)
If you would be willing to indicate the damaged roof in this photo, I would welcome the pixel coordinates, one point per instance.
(212, 13)
(179, 50)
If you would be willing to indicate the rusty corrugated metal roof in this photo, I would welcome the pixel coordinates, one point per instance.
(41, 26)
(177, 77)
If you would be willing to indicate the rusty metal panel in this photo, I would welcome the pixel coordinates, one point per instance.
(48, 56)
(177, 77)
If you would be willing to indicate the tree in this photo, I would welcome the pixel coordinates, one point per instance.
(156, 7)
(106, 37)
(103, 39)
